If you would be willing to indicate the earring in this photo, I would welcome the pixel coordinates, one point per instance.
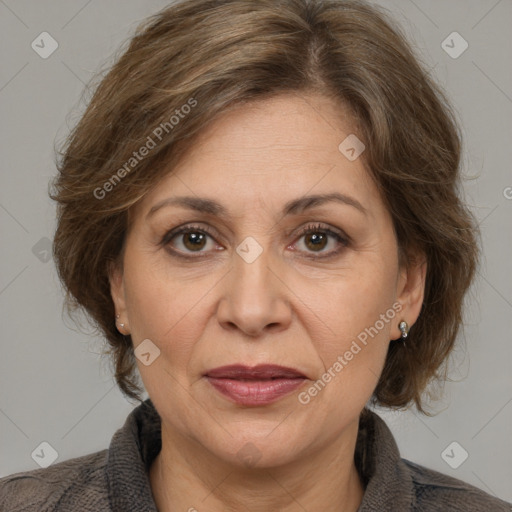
(404, 329)
(117, 317)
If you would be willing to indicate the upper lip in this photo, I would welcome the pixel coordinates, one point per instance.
(259, 372)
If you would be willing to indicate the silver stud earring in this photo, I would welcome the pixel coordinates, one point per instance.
(121, 325)
(404, 329)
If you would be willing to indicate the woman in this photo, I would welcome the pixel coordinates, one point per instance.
(260, 210)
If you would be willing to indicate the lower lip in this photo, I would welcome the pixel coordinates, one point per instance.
(255, 392)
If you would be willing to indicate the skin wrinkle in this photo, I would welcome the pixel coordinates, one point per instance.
(283, 308)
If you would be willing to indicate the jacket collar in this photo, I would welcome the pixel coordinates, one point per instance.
(131, 452)
(388, 482)
(387, 479)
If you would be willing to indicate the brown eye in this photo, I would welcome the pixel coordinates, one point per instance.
(188, 239)
(194, 240)
(317, 237)
(316, 241)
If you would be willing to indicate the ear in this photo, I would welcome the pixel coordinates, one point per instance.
(410, 291)
(117, 292)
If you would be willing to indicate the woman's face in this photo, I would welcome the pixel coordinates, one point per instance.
(263, 275)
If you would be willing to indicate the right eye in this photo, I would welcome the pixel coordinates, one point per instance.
(187, 239)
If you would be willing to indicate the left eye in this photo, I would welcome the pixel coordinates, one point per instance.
(316, 239)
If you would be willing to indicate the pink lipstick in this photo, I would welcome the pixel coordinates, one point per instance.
(257, 385)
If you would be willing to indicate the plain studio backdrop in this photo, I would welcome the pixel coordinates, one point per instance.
(53, 386)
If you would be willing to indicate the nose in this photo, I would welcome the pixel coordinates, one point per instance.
(255, 298)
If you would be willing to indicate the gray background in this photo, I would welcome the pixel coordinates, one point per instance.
(53, 385)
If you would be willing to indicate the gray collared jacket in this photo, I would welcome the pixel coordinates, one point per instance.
(117, 479)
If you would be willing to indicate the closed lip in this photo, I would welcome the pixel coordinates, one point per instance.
(259, 372)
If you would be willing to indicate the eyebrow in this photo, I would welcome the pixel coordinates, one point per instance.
(293, 207)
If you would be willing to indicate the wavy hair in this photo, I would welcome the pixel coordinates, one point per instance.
(219, 53)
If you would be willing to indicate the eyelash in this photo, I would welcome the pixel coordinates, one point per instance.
(342, 239)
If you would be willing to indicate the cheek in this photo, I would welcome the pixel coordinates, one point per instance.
(163, 307)
(360, 315)
(353, 303)
(171, 316)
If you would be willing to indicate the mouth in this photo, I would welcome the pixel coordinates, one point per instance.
(255, 386)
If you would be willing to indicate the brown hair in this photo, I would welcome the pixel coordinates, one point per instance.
(195, 59)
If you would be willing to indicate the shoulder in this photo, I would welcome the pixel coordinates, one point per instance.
(436, 491)
(79, 483)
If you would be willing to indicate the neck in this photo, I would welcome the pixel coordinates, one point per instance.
(185, 476)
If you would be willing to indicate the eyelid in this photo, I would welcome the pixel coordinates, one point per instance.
(186, 228)
(341, 237)
(320, 226)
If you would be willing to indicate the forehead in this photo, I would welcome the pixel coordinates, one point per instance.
(270, 151)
